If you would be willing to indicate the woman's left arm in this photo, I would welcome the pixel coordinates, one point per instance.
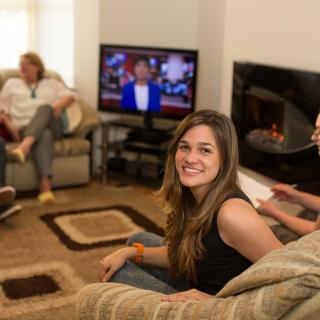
(65, 97)
(61, 103)
(242, 228)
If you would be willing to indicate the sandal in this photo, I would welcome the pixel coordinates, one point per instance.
(46, 197)
(18, 155)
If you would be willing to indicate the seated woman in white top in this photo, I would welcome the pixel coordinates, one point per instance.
(33, 111)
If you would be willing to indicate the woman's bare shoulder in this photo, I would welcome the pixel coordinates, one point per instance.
(237, 215)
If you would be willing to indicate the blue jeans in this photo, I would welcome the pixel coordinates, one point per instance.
(149, 277)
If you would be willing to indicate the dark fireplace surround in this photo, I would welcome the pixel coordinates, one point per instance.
(274, 110)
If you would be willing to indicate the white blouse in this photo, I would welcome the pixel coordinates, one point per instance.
(141, 94)
(17, 101)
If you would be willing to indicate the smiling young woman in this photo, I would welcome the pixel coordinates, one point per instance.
(213, 232)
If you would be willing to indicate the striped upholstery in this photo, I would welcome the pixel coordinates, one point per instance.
(285, 284)
(62, 148)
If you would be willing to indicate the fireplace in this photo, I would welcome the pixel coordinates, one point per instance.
(274, 110)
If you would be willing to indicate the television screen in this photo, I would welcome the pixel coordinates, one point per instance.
(154, 81)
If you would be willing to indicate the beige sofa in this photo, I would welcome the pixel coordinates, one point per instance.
(71, 163)
(285, 284)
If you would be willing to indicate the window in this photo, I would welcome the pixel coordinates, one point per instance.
(43, 26)
(14, 25)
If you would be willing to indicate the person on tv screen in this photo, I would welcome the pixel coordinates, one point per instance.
(141, 94)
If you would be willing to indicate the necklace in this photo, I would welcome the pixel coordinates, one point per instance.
(33, 90)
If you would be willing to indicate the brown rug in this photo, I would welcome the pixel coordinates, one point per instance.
(47, 253)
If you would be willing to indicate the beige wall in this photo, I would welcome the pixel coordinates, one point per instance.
(210, 45)
(165, 23)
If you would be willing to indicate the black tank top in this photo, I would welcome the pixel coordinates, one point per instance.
(221, 262)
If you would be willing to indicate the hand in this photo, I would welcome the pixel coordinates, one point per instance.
(113, 262)
(57, 112)
(188, 295)
(284, 192)
(266, 208)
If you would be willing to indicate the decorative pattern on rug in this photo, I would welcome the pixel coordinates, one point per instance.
(36, 287)
(47, 253)
(94, 228)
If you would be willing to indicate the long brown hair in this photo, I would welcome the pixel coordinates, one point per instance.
(188, 221)
(37, 61)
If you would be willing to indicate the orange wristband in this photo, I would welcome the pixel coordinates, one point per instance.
(139, 255)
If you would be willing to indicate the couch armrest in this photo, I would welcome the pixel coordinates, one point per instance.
(90, 120)
(119, 301)
(285, 284)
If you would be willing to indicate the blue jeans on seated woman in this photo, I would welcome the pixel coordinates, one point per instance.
(146, 276)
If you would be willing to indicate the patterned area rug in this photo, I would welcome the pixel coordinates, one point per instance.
(47, 253)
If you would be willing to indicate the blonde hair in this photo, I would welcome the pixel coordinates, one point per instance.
(188, 221)
(35, 59)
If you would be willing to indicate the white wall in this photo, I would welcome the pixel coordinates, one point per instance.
(282, 33)
(87, 38)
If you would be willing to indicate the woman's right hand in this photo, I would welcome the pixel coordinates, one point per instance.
(267, 209)
(285, 192)
(113, 262)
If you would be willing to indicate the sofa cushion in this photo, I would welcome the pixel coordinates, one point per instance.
(5, 74)
(285, 284)
(74, 117)
(62, 148)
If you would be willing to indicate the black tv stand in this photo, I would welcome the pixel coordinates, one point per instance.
(141, 139)
(151, 136)
(148, 120)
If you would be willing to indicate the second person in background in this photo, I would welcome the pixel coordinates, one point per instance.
(33, 111)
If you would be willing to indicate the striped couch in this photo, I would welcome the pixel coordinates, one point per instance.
(285, 284)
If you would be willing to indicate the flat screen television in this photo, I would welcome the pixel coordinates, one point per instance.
(170, 91)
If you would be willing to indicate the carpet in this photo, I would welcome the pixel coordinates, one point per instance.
(48, 253)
